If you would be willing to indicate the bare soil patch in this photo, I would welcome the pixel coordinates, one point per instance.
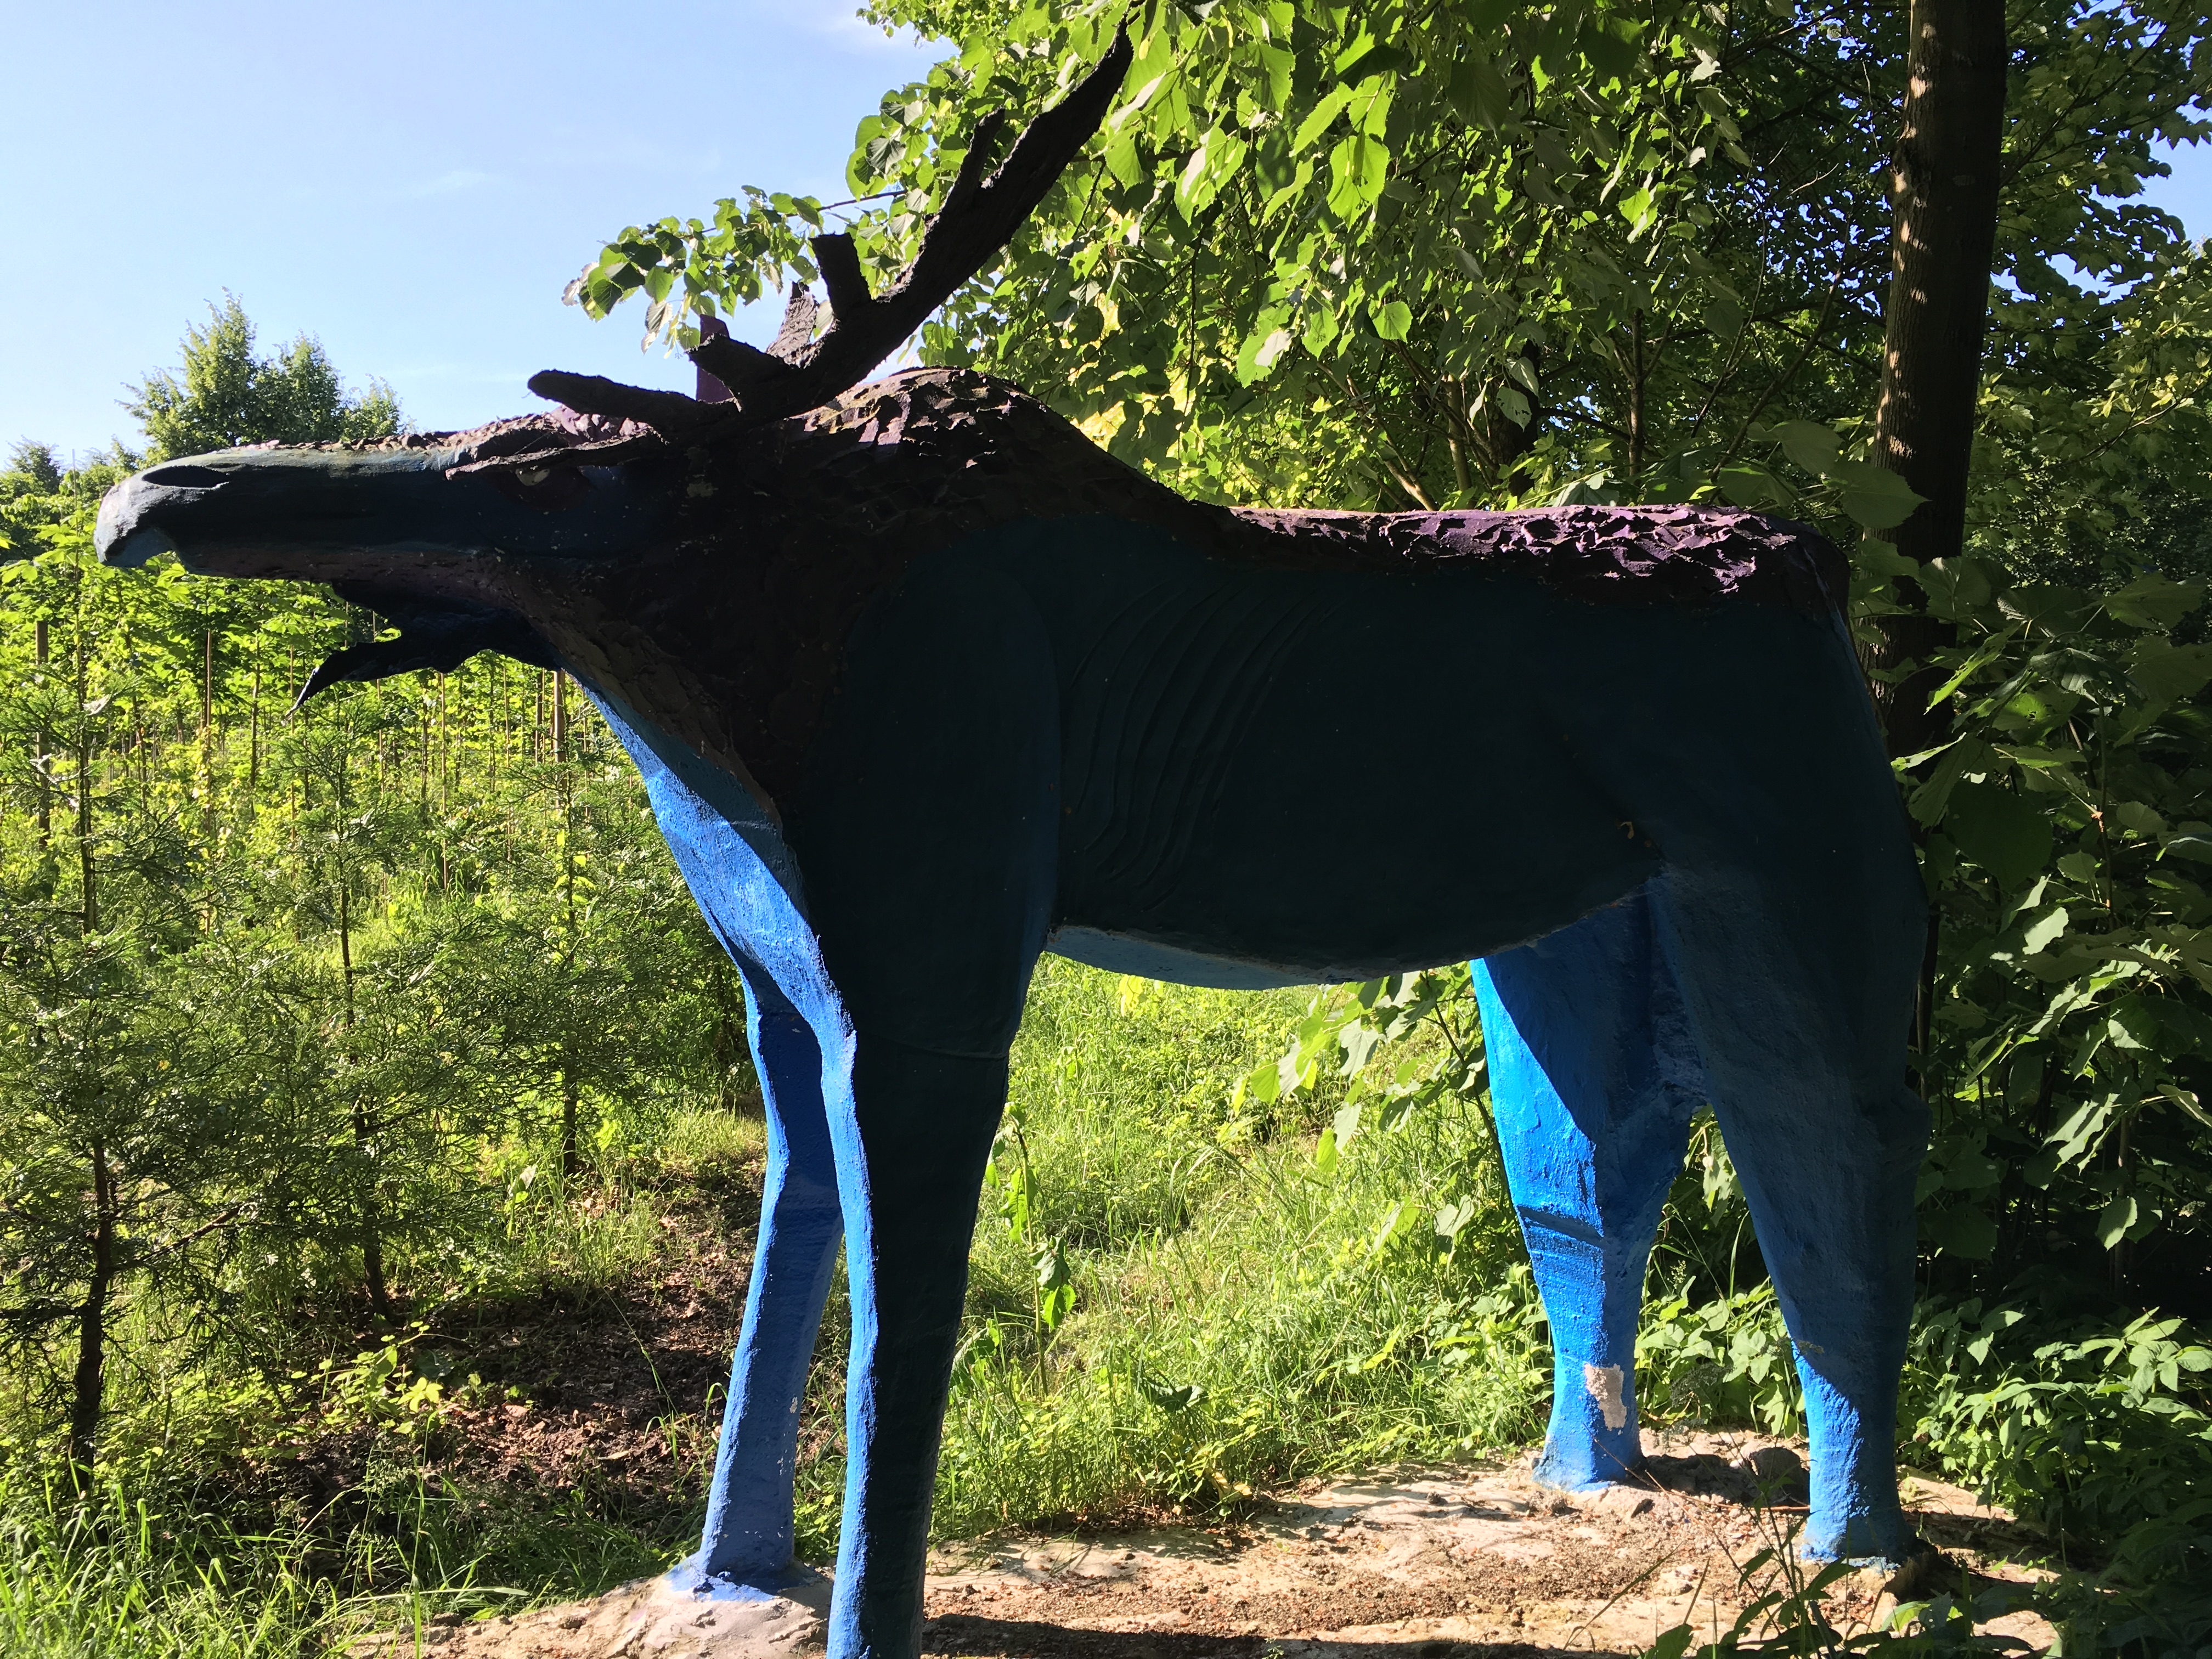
(1413, 1564)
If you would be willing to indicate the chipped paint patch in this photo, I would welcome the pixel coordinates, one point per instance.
(1607, 1387)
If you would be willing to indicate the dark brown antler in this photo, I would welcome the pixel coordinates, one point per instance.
(977, 220)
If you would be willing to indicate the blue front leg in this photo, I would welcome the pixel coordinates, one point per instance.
(916, 1131)
(749, 1543)
(1592, 1090)
(746, 889)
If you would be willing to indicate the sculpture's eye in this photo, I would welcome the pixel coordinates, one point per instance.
(178, 476)
(545, 488)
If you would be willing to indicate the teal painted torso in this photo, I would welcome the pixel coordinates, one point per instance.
(1260, 772)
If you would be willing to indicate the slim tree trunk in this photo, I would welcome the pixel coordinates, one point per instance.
(571, 1091)
(42, 745)
(86, 870)
(363, 1123)
(571, 1158)
(1635, 436)
(92, 1324)
(207, 732)
(254, 740)
(1944, 183)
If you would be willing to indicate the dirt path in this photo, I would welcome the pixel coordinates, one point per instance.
(1419, 1564)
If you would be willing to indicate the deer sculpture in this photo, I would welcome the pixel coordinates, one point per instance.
(922, 684)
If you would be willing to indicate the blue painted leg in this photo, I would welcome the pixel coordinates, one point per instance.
(912, 1147)
(1799, 1001)
(1592, 1085)
(748, 1541)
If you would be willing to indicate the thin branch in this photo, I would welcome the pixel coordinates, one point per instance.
(1780, 382)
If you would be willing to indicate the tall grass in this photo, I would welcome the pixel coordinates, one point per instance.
(1240, 1317)
(117, 1580)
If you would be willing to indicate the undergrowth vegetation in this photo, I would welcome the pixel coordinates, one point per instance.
(1183, 1295)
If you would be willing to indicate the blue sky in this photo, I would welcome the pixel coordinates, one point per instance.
(412, 182)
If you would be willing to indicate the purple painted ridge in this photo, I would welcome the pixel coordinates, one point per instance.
(1659, 554)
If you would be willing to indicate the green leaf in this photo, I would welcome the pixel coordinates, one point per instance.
(2115, 1218)
(1171, 1397)
(1812, 446)
(2170, 672)
(1325, 1153)
(2199, 848)
(2153, 601)
(1961, 1230)
(1318, 119)
(1375, 60)
(1359, 169)
(1320, 328)
(1749, 484)
(2045, 928)
(1479, 93)
(2000, 831)
(2133, 1024)
(1345, 1125)
(1394, 321)
(1263, 348)
(1881, 558)
(1875, 497)
(1122, 158)
(1219, 155)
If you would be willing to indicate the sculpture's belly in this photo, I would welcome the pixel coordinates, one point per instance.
(1277, 776)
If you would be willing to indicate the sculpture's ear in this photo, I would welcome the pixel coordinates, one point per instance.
(441, 637)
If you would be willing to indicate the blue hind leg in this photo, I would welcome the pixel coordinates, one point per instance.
(1592, 1087)
(1798, 991)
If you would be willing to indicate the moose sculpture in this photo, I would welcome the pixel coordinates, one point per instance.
(922, 684)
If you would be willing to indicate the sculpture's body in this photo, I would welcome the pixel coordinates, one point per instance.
(924, 684)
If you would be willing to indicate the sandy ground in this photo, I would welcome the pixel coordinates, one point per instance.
(1421, 1563)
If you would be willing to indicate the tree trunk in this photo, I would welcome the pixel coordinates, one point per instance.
(1945, 185)
(41, 743)
(1635, 366)
(364, 1126)
(85, 870)
(571, 1087)
(92, 1324)
(1945, 182)
(571, 1156)
(207, 734)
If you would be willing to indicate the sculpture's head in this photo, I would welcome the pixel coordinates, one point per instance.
(416, 526)
(541, 486)
(426, 529)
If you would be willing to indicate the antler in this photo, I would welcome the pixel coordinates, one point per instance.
(977, 220)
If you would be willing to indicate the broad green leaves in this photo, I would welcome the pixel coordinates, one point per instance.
(1383, 217)
(690, 268)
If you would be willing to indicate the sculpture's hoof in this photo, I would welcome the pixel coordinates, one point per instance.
(1587, 1472)
(653, 1617)
(794, 1581)
(1859, 1545)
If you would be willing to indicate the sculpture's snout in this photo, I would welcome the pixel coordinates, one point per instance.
(125, 535)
